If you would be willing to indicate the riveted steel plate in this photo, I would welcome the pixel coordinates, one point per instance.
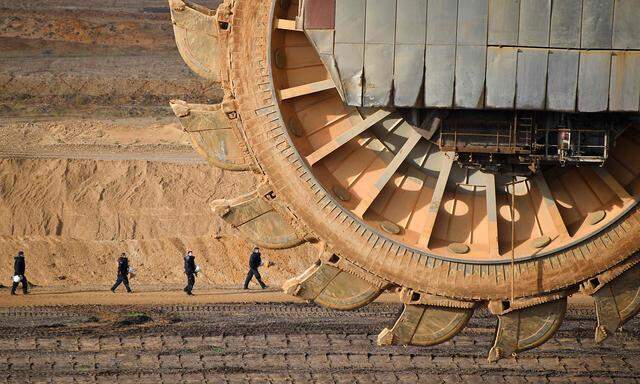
(504, 17)
(593, 81)
(470, 76)
(531, 78)
(350, 21)
(535, 18)
(472, 22)
(624, 93)
(597, 22)
(562, 80)
(501, 77)
(440, 63)
(626, 27)
(565, 23)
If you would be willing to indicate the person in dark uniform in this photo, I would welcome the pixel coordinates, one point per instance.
(255, 262)
(191, 270)
(19, 267)
(123, 273)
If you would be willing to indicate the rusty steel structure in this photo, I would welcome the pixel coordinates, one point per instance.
(460, 153)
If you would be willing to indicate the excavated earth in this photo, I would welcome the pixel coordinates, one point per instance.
(93, 163)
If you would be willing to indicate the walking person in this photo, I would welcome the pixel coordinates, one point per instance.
(19, 267)
(123, 273)
(255, 262)
(191, 270)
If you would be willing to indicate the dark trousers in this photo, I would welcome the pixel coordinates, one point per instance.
(24, 283)
(122, 279)
(253, 272)
(191, 281)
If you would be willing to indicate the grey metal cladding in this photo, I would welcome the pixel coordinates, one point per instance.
(562, 80)
(503, 22)
(411, 22)
(624, 93)
(411, 30)
(501, 77)
(380, 21)
(472, 22)
(531, 78)
(378, 71)
(566, 19)
(597, 24)
(350, 63)
(626, 27)
(593, 81)
(408, 74)
(535, 16)
(439, 72)
(442, 17)
(349, 21)
(470, 76)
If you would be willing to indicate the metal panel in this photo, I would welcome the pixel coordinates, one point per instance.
(472, 22)
(597, 24)
(408, 74)
(411, 21)
(439, 71)
(380, 21)
(531, 78)
(562, 80)
(501, 77)
(626, 28)
(319, 14)
(566, 16)
(625, 82)
(378, 71)
(504, 18)
(349, 60)
(470, 76)
(535, 18)
(349, 21)
(442, 16)
(593, 81)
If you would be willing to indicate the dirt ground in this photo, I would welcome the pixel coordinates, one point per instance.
(286, 343)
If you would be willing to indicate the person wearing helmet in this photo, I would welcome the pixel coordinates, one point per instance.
(255, 262)
(191, 270)
(19, 267)
(123, 273)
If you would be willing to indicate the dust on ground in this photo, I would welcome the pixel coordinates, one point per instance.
(287, 343)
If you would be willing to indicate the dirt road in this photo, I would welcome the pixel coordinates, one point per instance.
(285, 343)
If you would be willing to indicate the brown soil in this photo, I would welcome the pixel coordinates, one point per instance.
(92, 161)
(287, 343)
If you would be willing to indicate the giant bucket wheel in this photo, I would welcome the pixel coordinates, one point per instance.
(388, 208)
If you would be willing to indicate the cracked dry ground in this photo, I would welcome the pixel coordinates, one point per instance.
(284, 343)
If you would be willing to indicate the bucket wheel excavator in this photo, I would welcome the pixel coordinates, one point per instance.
(461, 153)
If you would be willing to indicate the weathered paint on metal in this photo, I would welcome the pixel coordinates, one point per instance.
(624, 94)
(565, 24)
(535, 18)
(440, 63)
(531, 78)
(504, 16)
(408, 74)
(378, 69)
(562, 80)
(319, 14)
(626, 28)
(442, 16)
(472, 22)
(349, 21)
(350, 64)
(597, 23)
(501, 77)
(470, 76)
(593, 81)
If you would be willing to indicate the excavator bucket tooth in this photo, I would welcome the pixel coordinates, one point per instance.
(196, 32)
(616, 302)
(526, 328)
(425, 325)
(257, 220)
(331, 287)
(214, 135)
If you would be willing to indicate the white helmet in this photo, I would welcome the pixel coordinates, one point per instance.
(131, 270)
(197, 268)
(16, 278)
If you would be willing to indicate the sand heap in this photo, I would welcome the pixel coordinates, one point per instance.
(73, 217)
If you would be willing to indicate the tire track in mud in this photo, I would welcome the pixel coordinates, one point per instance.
(285, 343)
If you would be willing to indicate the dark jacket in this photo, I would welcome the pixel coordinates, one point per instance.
(19, 265)
(255, 260)
(123, 266)
(189, 265)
